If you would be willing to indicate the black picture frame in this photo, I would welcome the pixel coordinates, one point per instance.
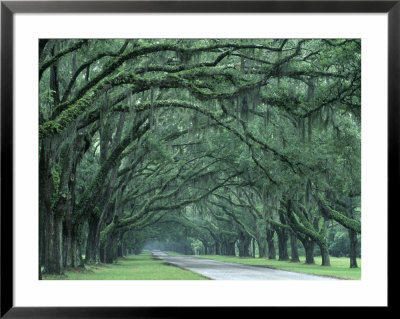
(9, 8)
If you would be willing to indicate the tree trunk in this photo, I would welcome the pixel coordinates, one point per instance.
(223, 248)
(261, 228)
(240, 247)
(247, 242)
(46, 188)
(42, 235)
(282, 244)
(110, 249)
(70, 231)
(102, 252)
(325, 255)
(244, 245)
(92, 249)
(352, 236)
(120, 243)
(309, 248)
(262, 248)
(74, 251)
(353, 248)
(282, 239)
(120, 250)
(69, 244)
(62, 208)
(294, 250)
(55, 229)
(271, 244)
(54, 259)
(230, 249)
(54, 82)
(79, 255)
(45, 191)
(217, 248)
(205, 248)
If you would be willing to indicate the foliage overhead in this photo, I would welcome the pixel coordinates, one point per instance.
(218, 141)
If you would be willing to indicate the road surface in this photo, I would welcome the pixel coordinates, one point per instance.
(219, 270)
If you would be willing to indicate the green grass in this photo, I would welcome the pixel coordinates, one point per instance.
(339, 266)
(134, 267)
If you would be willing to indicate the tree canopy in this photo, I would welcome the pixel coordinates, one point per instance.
(216, 145)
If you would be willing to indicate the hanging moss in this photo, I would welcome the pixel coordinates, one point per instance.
(197, 57)
(279, 69)
(308, 192)
(256, 98)
(56, 174)
(237, 107)
(151, 116)
(60, 54)
(71, 111)
(244, 109)
(302, 129)
(283, 141)
(184, 56)
(291, 88)
(268, 115)
(310, 93)
(194, 119)
(309, 130)
(327, 119)
(132, 102)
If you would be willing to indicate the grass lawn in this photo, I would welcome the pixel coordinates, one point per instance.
(134, 267)
(339, 266)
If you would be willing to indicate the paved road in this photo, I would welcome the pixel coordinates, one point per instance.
(231, 271)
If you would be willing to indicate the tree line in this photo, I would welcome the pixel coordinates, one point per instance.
(234, 143)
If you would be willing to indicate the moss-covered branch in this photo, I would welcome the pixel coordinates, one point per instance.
(89, 198)
(342, 219)
(48, 63)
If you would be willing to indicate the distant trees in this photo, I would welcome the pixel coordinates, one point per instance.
(232, 143)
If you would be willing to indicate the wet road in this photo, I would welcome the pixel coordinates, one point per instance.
(218, 270)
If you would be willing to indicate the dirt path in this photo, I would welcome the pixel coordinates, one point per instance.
(219, 270)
